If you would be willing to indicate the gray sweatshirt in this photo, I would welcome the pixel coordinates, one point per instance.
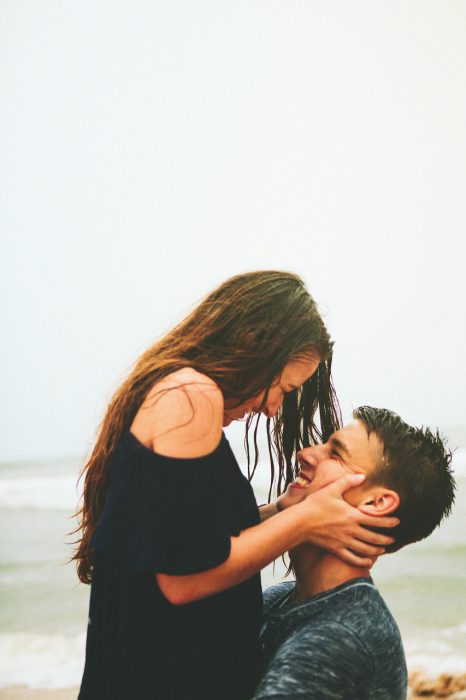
(343, 644)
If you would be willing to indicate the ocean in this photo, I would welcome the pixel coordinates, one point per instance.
(43, 608)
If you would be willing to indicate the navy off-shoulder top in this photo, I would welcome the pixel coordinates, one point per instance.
(173, 516)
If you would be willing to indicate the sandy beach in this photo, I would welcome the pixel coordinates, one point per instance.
(446, 685)
(20, 692)
(420, 686)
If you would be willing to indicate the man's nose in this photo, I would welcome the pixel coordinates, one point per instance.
(306, 456)
(312, 455)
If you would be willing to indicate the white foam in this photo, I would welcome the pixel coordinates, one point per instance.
(434, 657)
(40, 492)
(454, 631)
(434, 666)
(41, 661)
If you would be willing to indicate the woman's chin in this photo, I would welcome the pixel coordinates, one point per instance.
(229, 419)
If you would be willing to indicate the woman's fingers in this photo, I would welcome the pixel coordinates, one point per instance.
(363, 549)
(349, 481)
(351, 558)
(343, 529)
(373, 521)
(375, 538)
(362, 534)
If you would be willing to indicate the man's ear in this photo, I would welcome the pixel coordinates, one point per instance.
(379, 501)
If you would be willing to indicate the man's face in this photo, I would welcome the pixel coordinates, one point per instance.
(348, 451)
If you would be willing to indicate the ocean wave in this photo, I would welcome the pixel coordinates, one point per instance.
(47, 491)
(24, 575)
(57, 661)
(40, 492)
(41, 661)
(452, 631)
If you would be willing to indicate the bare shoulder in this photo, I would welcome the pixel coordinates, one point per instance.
(181, 416)
(188, 386)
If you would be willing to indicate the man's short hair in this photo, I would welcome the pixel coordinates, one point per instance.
(417, 465)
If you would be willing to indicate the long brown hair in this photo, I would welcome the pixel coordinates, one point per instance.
(241, 335)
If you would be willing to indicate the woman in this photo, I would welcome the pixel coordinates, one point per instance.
(171, 534)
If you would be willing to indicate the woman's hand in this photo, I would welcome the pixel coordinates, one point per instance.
(334, 525)
(291, 497)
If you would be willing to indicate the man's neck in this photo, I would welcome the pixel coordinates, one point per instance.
(317, 571)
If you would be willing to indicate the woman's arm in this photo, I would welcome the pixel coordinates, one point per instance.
(323, 518)
(268, 510)
(182, 418)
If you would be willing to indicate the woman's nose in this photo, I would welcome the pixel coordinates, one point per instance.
(271, 408)
(270, 411)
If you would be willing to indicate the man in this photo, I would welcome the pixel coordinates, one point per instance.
(329, 635)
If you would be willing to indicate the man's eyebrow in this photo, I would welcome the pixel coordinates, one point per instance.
(340, 446)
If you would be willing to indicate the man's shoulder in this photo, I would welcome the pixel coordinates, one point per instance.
(358, 622)
(274, 595)
(358, 606)
(364, 609)
(312, 659)
(352, 618)
(344, 643)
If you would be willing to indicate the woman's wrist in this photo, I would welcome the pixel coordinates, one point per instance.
(279, 506)
(268, 510)
(308, 518)
(296, 519)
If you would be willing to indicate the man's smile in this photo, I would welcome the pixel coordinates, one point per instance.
(302, 481)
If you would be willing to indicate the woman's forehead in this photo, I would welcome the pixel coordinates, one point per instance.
(300, 369)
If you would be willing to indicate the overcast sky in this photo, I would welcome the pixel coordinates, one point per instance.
(149, 150)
